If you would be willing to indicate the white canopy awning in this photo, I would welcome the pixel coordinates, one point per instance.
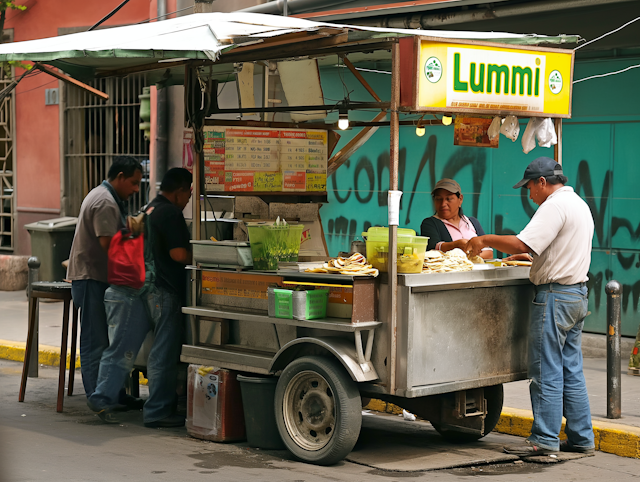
(206, 36)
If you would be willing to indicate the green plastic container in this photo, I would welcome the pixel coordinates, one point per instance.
(284, 303)
(271, 244)
(411, 249)
(310, 305)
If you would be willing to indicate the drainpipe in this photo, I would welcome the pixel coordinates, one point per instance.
(386, 18)
(162, 121)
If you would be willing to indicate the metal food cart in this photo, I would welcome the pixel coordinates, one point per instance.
(439, 345)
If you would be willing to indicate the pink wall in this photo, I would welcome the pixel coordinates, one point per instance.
(37, 126)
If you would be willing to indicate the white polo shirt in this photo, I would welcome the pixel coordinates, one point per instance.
(560, 235)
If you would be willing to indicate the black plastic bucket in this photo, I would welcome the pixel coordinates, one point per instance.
(258, 395)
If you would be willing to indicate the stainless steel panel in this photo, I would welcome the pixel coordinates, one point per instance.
(463, 334)
(231, 253)
(225, 358)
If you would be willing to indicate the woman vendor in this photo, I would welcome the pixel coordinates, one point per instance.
(449, 228)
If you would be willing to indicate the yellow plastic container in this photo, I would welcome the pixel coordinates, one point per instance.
(411, 249)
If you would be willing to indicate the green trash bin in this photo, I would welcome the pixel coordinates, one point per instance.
(51, 241)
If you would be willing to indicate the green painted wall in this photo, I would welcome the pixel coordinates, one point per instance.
(600, 157)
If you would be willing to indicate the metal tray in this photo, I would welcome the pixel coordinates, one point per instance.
(227, 253)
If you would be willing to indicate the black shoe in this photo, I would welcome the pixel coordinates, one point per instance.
(167, 422)
(105, 414)
(129, 403)
(527, 449)
(565, 446)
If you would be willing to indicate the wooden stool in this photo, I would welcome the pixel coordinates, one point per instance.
(58, 291)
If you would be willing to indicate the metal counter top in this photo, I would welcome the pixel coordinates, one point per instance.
(479, 277)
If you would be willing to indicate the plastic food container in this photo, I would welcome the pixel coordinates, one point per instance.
(411, 249)
(271, 244)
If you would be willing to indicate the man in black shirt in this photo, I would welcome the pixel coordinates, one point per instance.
(132, 313)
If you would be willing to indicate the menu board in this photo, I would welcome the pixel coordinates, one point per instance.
(262, 159)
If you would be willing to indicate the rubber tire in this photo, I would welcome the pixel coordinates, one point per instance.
(495, 397)
(348, 408)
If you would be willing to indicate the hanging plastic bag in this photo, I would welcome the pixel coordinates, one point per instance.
(529, 136)
(494, 128)
(546, 133)
(510, 127)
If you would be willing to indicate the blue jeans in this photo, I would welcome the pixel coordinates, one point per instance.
(88, 296)
(555, 367)
(130, 317)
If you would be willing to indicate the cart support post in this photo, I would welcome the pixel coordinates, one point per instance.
(393, 230)
(557, 149)
(614, 392)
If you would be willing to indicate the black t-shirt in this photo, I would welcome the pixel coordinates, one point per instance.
(169, 231)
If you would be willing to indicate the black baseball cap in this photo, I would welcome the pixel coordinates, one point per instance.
(540, 167)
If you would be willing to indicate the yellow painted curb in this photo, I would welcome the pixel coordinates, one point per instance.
(47, 355)
(612, 438)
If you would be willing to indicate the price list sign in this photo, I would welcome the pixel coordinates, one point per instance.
(265, 160)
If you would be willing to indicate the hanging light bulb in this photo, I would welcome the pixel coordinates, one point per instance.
(420, 130)
(343, 119)
(446, 119)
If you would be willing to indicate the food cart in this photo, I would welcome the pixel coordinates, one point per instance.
(439, 345)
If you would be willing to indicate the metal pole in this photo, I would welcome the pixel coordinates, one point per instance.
(393, 230)
(614, 389)
(34, 269)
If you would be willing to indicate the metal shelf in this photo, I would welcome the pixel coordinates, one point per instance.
(332, 324)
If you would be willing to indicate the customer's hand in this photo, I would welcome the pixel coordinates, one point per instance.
(519, 257)
(474, 246)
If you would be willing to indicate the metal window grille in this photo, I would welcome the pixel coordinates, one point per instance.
(96, 132)
(7, 168)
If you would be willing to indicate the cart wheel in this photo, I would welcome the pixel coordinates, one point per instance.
(318, 410)
(494, 396)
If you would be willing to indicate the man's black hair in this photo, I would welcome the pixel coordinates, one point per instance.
(557, 179)
(175, 179)
(126, 165)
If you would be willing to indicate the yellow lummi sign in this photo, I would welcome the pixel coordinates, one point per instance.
(488, 79)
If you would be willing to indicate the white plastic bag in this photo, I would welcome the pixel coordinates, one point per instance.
(529, 136)
(510, 127)
(408, 416)
(494, 128)
(546, 133)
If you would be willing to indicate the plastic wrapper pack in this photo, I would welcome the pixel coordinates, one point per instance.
(510, 127)
(494, 128)
(546, 133)
(529, 136)
(214, 404)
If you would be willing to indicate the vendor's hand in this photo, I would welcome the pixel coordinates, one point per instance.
(474, 246)
(519, 257)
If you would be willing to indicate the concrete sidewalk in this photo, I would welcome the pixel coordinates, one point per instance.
(620, 437)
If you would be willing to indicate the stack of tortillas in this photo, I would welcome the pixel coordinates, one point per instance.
(355, 265)
(439, 262)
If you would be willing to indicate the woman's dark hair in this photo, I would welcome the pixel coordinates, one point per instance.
(175, 179)
(126, 165)
(557, 179)
(460, 213)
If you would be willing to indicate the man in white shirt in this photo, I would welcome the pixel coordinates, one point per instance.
(559, 237)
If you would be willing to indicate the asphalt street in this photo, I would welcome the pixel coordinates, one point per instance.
(39, 444)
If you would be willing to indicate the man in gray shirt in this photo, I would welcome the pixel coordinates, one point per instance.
(102, 214)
